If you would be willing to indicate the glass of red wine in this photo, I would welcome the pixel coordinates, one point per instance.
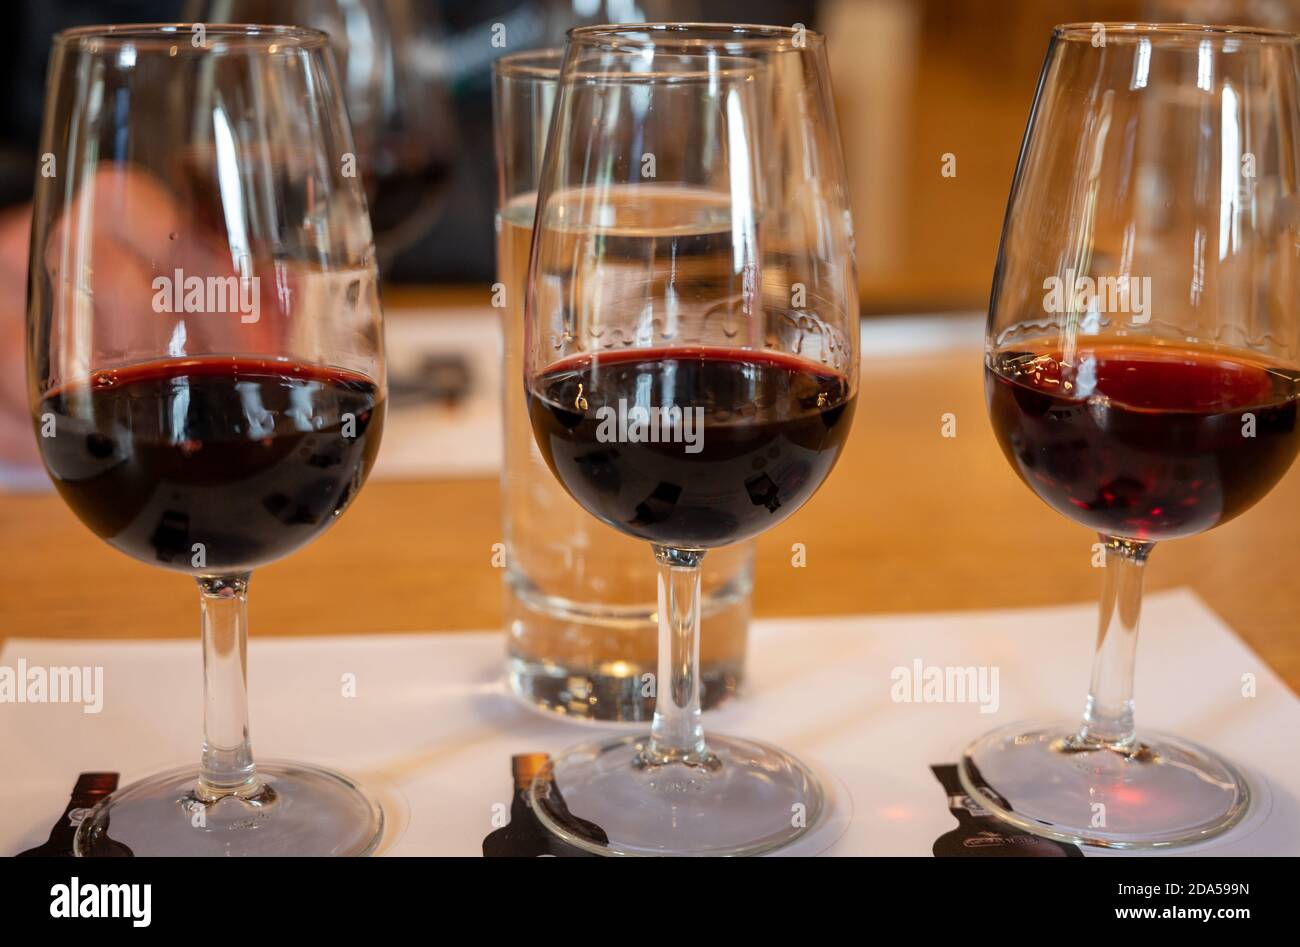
(403, 123)
(1141, 372)
(206, 370)
(691, 353)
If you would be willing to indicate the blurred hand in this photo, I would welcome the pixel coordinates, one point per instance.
(17, 442)
(136, 232)
(101, 259)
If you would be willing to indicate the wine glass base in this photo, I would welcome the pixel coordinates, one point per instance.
(308, 811)
(598, 798)
(1171, 792)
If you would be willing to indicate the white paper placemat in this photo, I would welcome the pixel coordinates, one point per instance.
(425, 439)
(432, 726)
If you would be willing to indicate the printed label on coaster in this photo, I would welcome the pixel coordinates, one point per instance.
(89, 789)
(524, 836)
(980, 834)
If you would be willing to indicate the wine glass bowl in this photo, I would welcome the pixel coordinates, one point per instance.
(690, 366)
(1141, 371)
(771, 430)
(147, 457)
(401, 115)
(206, 370)
(1149, 444)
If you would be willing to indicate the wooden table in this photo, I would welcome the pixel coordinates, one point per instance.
(909, 521)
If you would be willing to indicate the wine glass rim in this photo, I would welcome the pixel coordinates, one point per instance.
(529, 65)
(1086, 31)
(697, 35)
(167, 34)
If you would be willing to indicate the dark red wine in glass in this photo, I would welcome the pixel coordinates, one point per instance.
(210, 465)
(206, 375)
(693, 447)
(1140, 367)
(1142, 441)
(690, 364)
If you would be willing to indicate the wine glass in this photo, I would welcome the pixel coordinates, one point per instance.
(402, 117)
(1141, 374)
(206, 370)
(690, 363)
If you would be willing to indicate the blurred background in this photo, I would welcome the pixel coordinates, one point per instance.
(915, 80)
(932, 96)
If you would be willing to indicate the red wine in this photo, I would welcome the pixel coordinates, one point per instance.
(690, 447)
(1142, 441)
(404, 201)
(210, 465)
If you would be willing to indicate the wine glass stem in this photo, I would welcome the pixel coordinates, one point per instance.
(1108, 716)
(677, 735)
(227, 766)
